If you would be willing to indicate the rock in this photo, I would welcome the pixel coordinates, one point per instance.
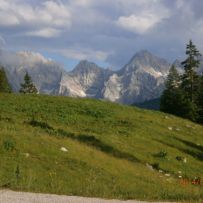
(170, 128)
(185, 160)
(149, 167)
(63, 149)
(26, 155)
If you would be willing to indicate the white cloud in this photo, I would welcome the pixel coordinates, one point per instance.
(138, 24)
(46, 33)
(146, 15)
(84, 3)
(84, 54)
(8, 20)
(47, 17)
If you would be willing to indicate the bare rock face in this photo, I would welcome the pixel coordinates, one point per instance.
(86, 80)
(140, 80)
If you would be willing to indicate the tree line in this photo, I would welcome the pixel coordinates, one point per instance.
(27, 87)
(183, 95)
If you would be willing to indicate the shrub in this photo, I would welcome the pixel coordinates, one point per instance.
(161, 154)
(9, 144)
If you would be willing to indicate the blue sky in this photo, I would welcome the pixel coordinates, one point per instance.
(108, 32)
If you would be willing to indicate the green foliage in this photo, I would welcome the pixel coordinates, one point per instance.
(100, 161)
(28, 87)
(200, 101)
(161, 154)
(173, 80)
(9, 144)
(4, 84)
(182, 94)
(190, 80)
(173, 100)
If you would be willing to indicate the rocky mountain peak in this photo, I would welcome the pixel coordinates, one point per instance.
(85, 66)
(146, 61)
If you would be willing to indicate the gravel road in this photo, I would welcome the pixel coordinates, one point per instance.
(7, 196)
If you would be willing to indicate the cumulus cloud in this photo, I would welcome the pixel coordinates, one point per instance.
(108, 30)
(42, 19)
(145, 17)
(46, 33)
(137, 24)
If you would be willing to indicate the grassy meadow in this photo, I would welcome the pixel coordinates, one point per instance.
(94, 148)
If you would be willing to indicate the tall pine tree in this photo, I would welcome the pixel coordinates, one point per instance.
(4, 84)
(28, 87)
(190, 79)
(200, 102)
(172, 99)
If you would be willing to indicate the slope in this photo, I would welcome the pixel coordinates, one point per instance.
(113, 151)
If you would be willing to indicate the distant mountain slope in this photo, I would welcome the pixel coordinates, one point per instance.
(45, 73)
(86, 80)
(142, 79)
(153, 104)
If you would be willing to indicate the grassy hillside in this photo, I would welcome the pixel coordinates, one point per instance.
(111, 149)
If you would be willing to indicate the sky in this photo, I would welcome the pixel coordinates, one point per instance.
(108, 32)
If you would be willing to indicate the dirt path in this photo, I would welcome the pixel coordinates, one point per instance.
(7, 196)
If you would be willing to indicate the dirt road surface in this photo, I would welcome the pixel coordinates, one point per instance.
(7, 196)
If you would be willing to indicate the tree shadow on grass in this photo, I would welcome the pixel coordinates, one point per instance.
(190, 144)
(89, 140)
(195, 152)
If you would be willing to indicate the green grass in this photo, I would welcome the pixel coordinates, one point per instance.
(108, 146)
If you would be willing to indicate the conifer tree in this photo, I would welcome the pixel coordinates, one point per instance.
(190, 79)
(4, 84)
(28, 87)
(173, 97)
(200, 102)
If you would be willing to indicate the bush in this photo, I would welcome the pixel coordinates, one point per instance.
(9, 144)
(161, 154)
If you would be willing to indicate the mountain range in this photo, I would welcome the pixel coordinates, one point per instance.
(140, 80)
